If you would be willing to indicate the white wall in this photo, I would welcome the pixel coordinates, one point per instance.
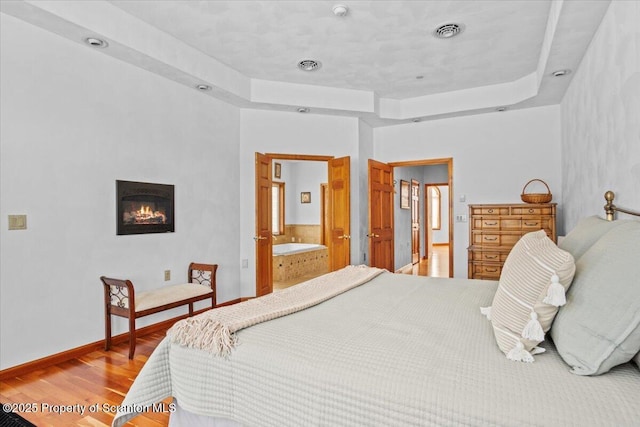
(289, 133)
(360, 230)
(494, 155)
(601, 119)
(304, 176)
(73, 121)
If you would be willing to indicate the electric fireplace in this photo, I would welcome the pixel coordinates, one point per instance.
(143, 208)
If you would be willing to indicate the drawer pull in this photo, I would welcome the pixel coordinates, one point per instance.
(490, 211)
(530, 224)
(491, 270)
(531, 211)
(491, 256)
(490, 239)
(491, 223)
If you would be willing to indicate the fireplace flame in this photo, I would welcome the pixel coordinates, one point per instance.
(146, 215)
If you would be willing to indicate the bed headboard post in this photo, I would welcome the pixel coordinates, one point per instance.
(609, 207)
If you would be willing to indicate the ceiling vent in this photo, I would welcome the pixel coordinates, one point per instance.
(309, 65)
(95, 42)
(447, 31)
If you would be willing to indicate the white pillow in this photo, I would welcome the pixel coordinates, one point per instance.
(532, 286)
(586, 233)
(599, 328)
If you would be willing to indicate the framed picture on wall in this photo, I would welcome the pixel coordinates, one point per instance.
(305, 197)
(277, 170)
(404, 194)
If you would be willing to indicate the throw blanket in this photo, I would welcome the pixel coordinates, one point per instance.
(215, 330)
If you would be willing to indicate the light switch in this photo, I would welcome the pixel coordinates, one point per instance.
(17, 222)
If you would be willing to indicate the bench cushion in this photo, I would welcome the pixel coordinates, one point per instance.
(168, 294)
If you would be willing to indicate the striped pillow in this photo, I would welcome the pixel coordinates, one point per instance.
(532, 286)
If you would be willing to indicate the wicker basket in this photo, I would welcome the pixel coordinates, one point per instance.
(536, 197)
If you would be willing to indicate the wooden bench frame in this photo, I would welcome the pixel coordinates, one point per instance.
(126, 291)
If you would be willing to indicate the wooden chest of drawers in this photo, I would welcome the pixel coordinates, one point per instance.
(495, 229)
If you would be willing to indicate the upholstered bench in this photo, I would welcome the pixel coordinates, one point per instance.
(120, 299)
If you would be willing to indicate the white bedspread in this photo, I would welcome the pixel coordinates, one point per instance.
(399, 350)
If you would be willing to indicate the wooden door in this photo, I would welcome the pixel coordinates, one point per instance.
(264, 264)
(415, 221)
(380, 215)
(428, 225)
(339, 213)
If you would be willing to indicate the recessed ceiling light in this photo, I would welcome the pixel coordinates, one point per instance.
(203, 87)
(303, 110)
(419, 77)
(340, 10)
(309, 65)
(501, 109)
(560, 73)
(94, 42)
(447, 31)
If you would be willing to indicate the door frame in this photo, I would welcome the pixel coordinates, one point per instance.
(432, 162)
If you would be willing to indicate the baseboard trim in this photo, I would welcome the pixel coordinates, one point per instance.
(54, 359)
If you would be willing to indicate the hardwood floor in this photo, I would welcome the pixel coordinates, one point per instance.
(100, 378)
(436, 266)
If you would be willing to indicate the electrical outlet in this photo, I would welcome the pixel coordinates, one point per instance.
(461, 218)
(167, 275)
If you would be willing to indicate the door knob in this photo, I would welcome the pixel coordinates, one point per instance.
(371, 236)
(256, 238)
(344, 236)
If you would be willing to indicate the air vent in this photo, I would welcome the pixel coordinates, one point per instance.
(95, 42)
(447, 31)
(309, 65)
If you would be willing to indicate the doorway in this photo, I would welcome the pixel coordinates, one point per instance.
(330, 194)
(384, 194)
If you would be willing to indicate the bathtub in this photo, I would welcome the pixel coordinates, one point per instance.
(294, 248)
(292, 260)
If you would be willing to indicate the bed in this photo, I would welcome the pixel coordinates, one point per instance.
(405, 350)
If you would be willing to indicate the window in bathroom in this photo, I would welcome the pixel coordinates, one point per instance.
(277, 208)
